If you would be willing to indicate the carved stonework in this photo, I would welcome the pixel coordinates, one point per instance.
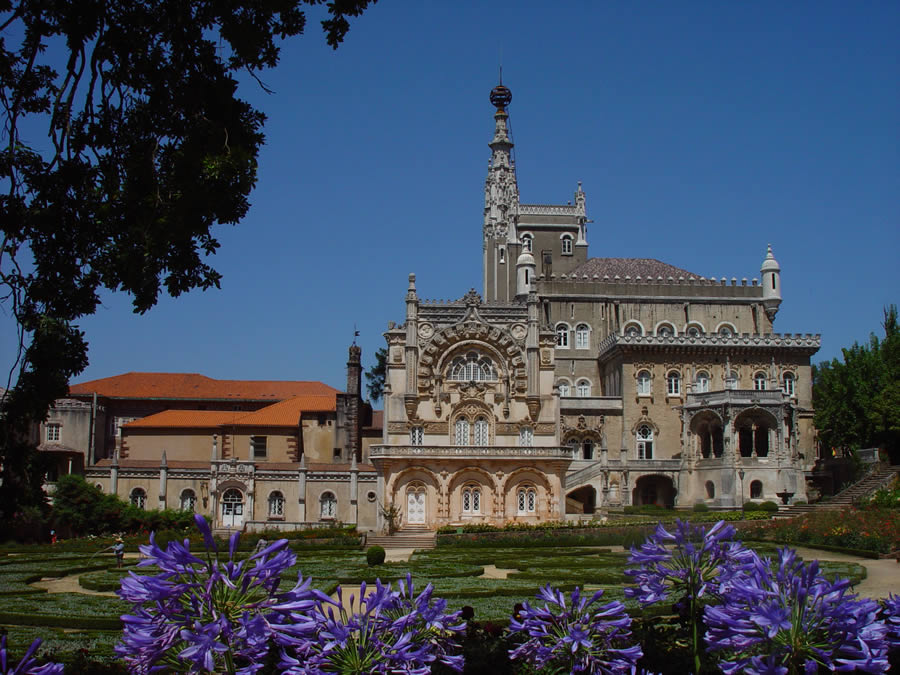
(534, 406)
(411, 403)
(518, 331)
(436, 427)
(545, 429)
(546, 357)
(426, 330)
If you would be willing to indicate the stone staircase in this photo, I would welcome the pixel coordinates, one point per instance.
(408, 537)
(846, 497)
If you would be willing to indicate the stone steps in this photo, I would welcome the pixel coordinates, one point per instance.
(846, 497)
(408, 537)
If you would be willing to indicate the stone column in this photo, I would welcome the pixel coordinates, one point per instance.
(114, 474)
(301, 488)
(354, 490)
(163, 480)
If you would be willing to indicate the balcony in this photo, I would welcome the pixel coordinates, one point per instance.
(470, 452)
(595, 404)
(735, 397)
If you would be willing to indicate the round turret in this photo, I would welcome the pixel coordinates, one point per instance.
(500, 97)
(770, 273)
(525, 270)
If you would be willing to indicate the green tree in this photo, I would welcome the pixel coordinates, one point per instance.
(376, 374)
(148, 147)
(857, 399)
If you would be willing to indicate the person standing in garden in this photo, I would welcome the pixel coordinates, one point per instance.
(119, 549)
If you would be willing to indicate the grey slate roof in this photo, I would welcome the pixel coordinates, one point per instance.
(631, 267)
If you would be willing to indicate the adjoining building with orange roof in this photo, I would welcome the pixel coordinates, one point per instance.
(253, 454)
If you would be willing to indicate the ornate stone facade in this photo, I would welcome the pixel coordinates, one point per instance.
(634, 381)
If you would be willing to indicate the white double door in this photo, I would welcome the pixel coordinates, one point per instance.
(415, 507)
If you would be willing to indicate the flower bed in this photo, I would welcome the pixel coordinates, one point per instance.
(867, 529)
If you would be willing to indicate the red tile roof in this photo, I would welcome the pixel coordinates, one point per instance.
(193, 386)
(282, 414)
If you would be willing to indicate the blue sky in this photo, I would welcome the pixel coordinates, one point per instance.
(701, 131)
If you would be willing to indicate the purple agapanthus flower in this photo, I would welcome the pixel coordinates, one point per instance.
(27, 665)
(202, 615)
(694, 564)
(891, 614)
(392, 632)
(579, 637)
(790, 619)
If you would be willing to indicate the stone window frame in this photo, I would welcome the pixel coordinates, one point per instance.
(726, 329)
(583, 388)
(760, 381)
(566, 244)
(703, 377)
(259, 447)
(187, 500)
(527, 241)
(694, 329)
(417, 435)
(673, 384)
(526, 437)
(633, 328)
(328, 505)
(644, 391)
(53, 432)
(564, 383)
(645, 437)
(562, 335)
(472, 366)
(471, 499)
(275, 505)
(759, 493)
(789, 390)
(138, 498)
(665, 329)
(526, 500)
(582, 336)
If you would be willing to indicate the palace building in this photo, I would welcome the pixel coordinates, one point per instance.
(569, 387)
(574, 384)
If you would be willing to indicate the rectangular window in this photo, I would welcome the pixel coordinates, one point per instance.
(526, 437)
(258, 448)
(53, 433)
(416, 436)
(645, 449)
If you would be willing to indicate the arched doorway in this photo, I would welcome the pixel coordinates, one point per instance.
(658, 490)
(415, 504)
(582, 500)
(232, 508)
(755, 431)
(707, 429)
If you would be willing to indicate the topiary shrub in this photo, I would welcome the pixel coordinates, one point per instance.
(375, 556)
(771, 507)
(700, 507)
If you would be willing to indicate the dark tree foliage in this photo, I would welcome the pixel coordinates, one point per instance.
(142, 146)
(375, 375)
(857, 400)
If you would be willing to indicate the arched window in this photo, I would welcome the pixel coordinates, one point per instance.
(526, 499)
(139, 498)
(502, 253)
(701, 385)
(788, 384)
(472, 366)
(526, 437)
(582, 336)
(645, 442)
(633, 330)
(188, 500)
(726, 331)
(327, 505)
(566, 244)
(276, 505)
(471, 500)
(562, 335)
(563, 388)
(710, 490)
(731, 382)
(756, 489)
(759, 381)
(527, 242)
(482, 431)
(673, 383)
(694, 330)
(416, 436)
(583, 388)
(665, 330)
(461, 431)
(643, 383)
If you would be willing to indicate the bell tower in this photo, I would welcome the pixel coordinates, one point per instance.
(501, 206)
